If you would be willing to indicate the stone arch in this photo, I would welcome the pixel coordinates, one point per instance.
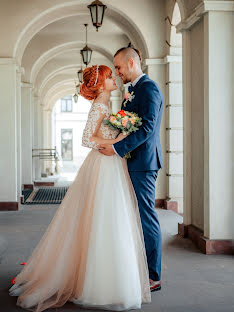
(61, 84)
(52, 75)
(58, 95)
(57, 50)
(175, 38)
(181, 8)
(70, 9)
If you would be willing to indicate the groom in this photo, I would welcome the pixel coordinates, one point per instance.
(146, 100)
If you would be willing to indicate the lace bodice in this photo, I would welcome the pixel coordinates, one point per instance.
(95, 125)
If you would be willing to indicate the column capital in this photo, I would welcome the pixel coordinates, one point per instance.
(20, 70)
(7, 61)
(164, 60)
(26, 85)
(173, 59)
(154, 61)
(201, 9)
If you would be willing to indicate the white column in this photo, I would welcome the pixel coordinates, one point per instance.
(49, 121)
(115, 101)
(187, 136)
(44, 136)
(27, 133)
(40, 133)
(47, 137)
(36, 161)
(174, 130)
(218, 124)
(8, 133)
(41, 125)
(156, 71)
(19, 151)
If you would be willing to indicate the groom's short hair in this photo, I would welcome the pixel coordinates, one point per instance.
(130, 52)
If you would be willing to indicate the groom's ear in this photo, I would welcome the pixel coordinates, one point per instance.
(131, 62)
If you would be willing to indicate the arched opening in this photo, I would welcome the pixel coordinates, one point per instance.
(68, 122)
(74, 9)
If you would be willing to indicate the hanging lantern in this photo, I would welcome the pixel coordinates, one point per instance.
(78, 88)
(80, 72)
(86, 52)
(80, 75)
(75, 97)
(97, 10)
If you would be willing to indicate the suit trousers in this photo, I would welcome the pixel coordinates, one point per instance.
(144, 186)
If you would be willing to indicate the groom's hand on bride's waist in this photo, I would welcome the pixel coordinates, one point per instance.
(106, 149)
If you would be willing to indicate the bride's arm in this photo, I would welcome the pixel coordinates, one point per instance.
(95, 118)
(99, 140)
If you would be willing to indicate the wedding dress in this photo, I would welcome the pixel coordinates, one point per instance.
(92, 252)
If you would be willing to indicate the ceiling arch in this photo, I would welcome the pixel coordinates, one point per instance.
(58, 50)
(71, 8)
(61, 93)
(61, 84)
(64, 64)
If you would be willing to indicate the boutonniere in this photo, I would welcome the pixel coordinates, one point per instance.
(128, 97)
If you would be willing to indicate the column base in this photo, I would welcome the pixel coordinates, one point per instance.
(8, 206)
(44, 183)
(27, 186)
(166, 204)
(205, 245)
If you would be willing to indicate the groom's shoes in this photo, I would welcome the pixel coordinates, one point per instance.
(155, 285)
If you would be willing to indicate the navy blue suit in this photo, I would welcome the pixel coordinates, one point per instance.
(145, 161)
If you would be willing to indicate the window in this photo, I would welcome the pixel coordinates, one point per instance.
(66, 104)
(66, 144)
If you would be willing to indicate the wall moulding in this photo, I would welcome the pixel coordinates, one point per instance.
(26, 85)
(201, 9)
(8, 61)
(163, 60)
(154, 61)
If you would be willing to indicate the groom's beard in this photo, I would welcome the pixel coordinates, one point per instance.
(126, 80)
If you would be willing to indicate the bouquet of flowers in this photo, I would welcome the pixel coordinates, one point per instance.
(125, 121)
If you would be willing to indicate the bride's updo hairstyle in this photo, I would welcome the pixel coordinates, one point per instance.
(93, 80)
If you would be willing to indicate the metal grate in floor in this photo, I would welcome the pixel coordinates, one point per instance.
(45, 195)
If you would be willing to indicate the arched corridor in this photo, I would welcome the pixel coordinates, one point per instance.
(188, 49)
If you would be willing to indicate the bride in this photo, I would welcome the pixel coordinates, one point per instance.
(92, 253)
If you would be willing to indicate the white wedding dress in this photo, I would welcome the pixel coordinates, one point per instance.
(92, 252)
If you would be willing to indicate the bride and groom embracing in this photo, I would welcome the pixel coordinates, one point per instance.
(102, 248)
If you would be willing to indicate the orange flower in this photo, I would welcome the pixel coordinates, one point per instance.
(124, 122)
(112, 118)
(132, 121)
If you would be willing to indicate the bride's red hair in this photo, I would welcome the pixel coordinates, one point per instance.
(88, 88)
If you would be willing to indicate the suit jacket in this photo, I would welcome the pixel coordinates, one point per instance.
(144, 144)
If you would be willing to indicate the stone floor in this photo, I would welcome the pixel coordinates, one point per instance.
(191, 281)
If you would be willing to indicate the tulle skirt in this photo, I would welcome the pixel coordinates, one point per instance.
(92, 252)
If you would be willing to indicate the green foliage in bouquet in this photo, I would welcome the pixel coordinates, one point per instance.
(126, 122)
